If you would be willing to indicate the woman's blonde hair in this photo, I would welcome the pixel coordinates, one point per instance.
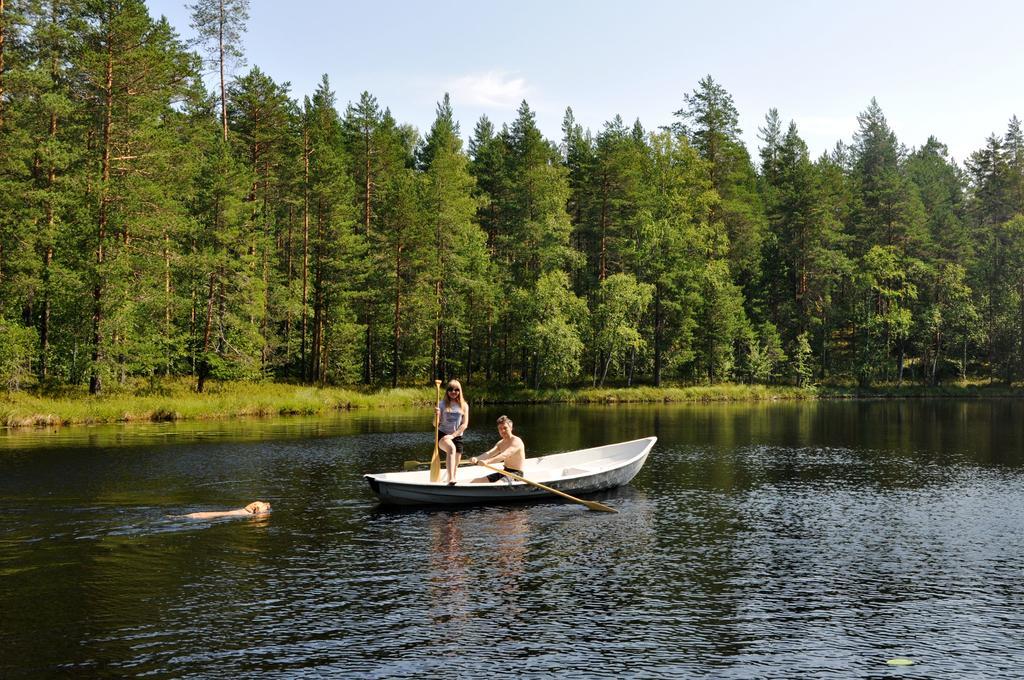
(462, 396)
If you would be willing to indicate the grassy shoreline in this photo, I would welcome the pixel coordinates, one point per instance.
(176, 401)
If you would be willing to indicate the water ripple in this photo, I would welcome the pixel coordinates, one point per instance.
(767, 559)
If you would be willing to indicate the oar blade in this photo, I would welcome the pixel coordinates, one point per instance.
(599, 507)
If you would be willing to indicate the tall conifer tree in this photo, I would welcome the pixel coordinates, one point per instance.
(220, 25)
(376, 149)
(337, 249)
(459, 263)
(261, 117)
(674, 245)
(710, 121)
(133, 69)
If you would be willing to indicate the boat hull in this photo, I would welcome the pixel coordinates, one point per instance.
(585, 477)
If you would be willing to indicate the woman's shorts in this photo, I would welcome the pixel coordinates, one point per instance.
(455, 440)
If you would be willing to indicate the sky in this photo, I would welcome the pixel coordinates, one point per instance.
(954, 70)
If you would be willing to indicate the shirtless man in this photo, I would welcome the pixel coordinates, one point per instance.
(252, 510)
(510, 451)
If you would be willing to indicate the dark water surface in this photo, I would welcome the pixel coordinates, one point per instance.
(760, 541)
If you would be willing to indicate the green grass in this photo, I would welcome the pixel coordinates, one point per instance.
(909, 391)
(176, 399)
(645, 394)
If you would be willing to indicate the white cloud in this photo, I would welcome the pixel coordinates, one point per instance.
(494, 90)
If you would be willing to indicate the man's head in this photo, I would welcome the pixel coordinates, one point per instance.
(504, 426)
(258, 507)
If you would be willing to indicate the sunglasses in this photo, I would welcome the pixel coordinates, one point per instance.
(454, 390)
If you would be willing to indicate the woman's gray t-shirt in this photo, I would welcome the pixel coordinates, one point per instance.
(451, 418)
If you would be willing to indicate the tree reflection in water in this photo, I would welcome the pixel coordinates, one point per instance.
(449, 568)
(461, 586)
(510, 531)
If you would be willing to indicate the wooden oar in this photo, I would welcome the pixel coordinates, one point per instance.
(413, 464)
(593, 505)
(435, 461)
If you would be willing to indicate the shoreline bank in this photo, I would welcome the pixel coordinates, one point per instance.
(177, 402)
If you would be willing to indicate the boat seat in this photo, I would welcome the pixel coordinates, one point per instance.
(573, 471)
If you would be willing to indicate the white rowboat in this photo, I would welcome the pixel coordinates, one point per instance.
(575, 472)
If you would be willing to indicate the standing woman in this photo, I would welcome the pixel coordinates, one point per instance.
(453, 419)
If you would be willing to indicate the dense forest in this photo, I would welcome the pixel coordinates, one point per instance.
(151, 228)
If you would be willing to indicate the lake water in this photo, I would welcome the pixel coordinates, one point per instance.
(773, 540)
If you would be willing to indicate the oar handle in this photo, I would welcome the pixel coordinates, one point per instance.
(413, 464)
(593, 505)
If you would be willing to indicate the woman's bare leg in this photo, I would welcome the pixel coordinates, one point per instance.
(449, 453)
(453, 460)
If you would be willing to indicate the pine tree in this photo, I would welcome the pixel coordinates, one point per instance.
(489, 153)
(220, 25)
(674, 245)
(133, 70)
(802, 367)
(262, 120)
(888, 218)
(888, 210)
(532, 236)
(376, 149)
(7, 20)
(372, 144)
(832, 280)
(1010, 335)
(803, 254)
(940, 183)
(219, 245)
(615, 190)
(536, 234)
(990, 204)
(55, 117)
(460, 256)
(578, 156)
(35, 156)
(405, 237)
(1013, 143)
(710, 121)
(764, 353)
(336, 248)
(443, 135)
